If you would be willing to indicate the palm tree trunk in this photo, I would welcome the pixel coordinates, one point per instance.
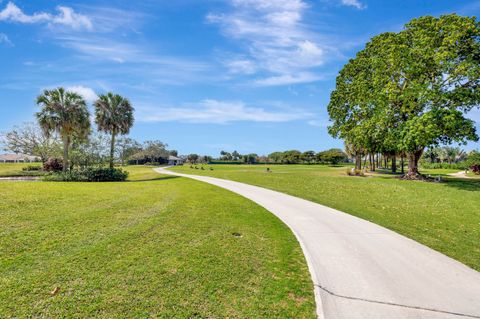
(66, 144)
(112, 149)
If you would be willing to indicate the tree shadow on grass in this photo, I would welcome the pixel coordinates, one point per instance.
(463, 184)
(166, 177)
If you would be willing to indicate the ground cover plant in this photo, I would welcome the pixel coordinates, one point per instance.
(152, 247)
(444, 216)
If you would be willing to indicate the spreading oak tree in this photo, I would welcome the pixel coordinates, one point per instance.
(411, 89)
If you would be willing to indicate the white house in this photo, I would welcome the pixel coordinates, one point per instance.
(18, 158)
(174, 161)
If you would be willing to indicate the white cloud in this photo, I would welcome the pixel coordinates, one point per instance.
(274, 38)
(218, 112)
(65, 17)
(354, 3)
(286, 79)
(87, 93)
(5, 40)
(68, 17)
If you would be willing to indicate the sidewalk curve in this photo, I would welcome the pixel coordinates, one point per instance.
(363, 271)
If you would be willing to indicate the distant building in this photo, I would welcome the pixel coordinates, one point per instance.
(18, 158)
(174, 161)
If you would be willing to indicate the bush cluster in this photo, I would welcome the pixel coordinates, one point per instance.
(91, 174)
(53, 165)
(475, 169)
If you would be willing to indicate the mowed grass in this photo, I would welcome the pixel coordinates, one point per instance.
(15, 169)
(153, 247)
(444, 216)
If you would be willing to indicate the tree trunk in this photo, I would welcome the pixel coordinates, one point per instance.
(394, 163)
(413, 158)
(66, 144)
(401, 161)
(358, 161)
(112, 149)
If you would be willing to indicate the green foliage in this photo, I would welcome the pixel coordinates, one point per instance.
(473, 158)
(31, 168)
(90, 174)
(332, 156)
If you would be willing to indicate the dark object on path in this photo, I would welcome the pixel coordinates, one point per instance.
(237, 235)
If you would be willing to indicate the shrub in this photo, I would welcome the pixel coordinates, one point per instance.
(53, 165)
(105, 174)
(355, 172)
(31, 168)
(97, 174)
(475, 169)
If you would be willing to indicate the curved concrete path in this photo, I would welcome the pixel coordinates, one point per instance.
(362, 270)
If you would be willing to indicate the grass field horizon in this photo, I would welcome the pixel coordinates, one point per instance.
(443, 216)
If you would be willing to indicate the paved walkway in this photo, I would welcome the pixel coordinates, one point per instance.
(362, 270)
(460, 174)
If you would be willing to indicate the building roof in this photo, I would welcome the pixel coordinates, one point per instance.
(173, 158)
(17, 157)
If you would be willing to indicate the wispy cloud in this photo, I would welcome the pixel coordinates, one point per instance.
(66, 16)
(5, 40)
(287, 79)
(275, 39)
(354, 3)
(219, 112)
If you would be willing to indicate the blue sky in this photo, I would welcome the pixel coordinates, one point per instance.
(203, 75)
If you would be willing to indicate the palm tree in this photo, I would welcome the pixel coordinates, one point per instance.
(114, 115)
(65, 113)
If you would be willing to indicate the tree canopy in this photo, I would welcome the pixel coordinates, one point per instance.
(411, 89)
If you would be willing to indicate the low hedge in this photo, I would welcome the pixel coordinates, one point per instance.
(89, 175)
(459, 166)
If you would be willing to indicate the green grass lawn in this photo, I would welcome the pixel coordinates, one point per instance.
(15, 169)
(444, 216)
(153, 247)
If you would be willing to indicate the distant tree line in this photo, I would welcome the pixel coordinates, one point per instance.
(331, 156)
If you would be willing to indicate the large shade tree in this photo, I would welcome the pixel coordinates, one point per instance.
(411, 89)
(65, 113)
(113, 115)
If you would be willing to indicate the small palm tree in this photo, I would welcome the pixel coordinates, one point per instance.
(114, 115)
(65, 113)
